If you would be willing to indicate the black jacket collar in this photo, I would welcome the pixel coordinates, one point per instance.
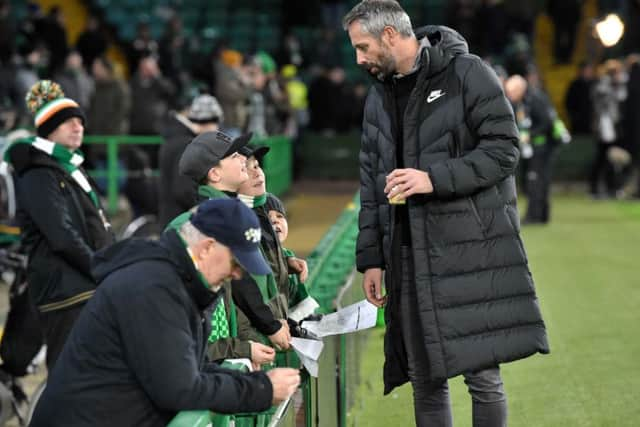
(201, 296)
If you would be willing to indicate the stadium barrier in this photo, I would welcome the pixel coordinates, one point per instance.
(334, 283)
(277, 165)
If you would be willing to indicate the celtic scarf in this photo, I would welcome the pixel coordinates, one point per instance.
(219, 323)
(253, 201)
(69, 160)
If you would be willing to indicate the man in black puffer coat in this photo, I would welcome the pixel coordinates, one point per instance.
(460, 296)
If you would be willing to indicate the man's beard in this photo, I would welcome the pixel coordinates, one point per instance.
(385, 67)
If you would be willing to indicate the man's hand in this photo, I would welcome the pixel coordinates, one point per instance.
(282, 337)
(407, 182)
(285, 381)
(261, 354)
(298, 266)
(372, 286)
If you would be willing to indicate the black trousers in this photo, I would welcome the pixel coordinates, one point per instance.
(432, 406)
(538, 184)
(602, 168)
(56, 326)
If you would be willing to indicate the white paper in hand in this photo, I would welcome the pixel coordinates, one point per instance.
(309, 352)
(355, 317)
(303, 309)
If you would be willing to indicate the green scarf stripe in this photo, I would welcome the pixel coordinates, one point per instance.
(253, 201)
(69, 160)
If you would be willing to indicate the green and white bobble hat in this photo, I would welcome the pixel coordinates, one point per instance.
(50, 107)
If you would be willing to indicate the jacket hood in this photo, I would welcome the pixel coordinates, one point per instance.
(124, 253)
(168, 249)
(447, 40)
(23, 157)
(445, 45)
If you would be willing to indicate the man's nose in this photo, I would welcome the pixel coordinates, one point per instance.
(359, 58)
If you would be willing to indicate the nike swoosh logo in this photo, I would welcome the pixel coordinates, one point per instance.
(435, 95)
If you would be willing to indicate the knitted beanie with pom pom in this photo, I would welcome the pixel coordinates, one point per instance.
(50, 107)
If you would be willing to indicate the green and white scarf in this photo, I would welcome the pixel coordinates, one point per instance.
(253, 201)
(70, 162)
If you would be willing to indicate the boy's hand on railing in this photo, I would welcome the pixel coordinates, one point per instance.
(261, 354)
(285, 382)
(298, 266)
(282, 337)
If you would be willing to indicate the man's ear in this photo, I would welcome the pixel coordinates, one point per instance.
(214, 175)
(203, 247)
(389, 35)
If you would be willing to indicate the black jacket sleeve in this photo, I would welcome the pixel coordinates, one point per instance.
(161, 352)
(490, 120)
(40, 194)
(369, 244)
(247, 297)
(542, 114)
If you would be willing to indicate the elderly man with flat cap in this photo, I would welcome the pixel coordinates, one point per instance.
(136, 356)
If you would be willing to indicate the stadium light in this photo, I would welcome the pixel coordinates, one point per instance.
(610, 30)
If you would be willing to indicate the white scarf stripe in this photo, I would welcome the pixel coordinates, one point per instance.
(81, 180)
(247, 200)
(44, 145)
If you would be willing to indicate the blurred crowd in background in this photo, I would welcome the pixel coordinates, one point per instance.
(306, 81)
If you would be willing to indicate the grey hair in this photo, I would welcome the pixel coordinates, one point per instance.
(190, 234)
(374, 15)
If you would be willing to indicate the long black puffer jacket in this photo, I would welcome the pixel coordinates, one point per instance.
(476, 296)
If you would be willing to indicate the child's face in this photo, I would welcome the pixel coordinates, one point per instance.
(280, 225)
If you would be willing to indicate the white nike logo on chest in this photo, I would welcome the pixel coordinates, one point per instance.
(435, 94)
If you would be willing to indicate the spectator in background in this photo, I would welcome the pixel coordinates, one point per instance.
(535, 117)
(25, 76)
(92, 43)
(609, 94)
(142, 46)
(110, 103)
(270, 112)
(54, 36)
(330, 102)
(297, 94)
(326, 50)
(32, 28)
(578, 101)
(108, 113)
(172, 52)
(75, 81)
(177, 193)
(233, 88)
(151, 95)
(59, 212)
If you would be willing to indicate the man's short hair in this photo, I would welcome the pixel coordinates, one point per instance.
(374, 15)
